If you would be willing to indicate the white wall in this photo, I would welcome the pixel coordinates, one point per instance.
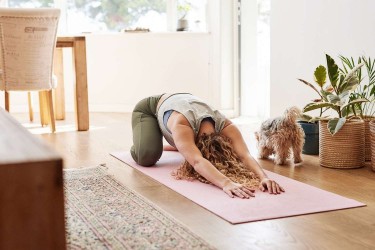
(122, 69)
(302, 31)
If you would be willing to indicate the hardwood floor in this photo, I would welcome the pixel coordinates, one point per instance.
(343, 229)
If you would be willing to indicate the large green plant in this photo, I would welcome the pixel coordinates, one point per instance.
(337, 95)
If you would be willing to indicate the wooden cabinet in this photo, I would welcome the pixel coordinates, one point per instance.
(31, 190)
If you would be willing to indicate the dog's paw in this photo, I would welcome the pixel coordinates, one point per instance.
(297, 160)
(279, 162)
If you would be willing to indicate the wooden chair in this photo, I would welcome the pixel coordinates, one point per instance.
(27, 44)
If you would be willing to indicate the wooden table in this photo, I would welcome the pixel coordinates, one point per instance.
(78, 45)
(31, 190)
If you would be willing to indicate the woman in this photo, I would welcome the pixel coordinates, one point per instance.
(182, 119)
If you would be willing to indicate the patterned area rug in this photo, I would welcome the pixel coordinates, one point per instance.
(101, 213)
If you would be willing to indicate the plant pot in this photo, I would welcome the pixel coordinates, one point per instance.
(311, 145)
(182, 25)
(372, 143)
(345, 149)
(367, 120)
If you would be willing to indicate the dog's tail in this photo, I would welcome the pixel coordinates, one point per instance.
(292, 113)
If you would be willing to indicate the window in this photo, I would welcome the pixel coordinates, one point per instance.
(116, 15)
(30, 3)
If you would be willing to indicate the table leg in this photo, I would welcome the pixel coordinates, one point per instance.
(59, 92)
(81, 94)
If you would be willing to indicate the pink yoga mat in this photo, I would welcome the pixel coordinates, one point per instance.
(298, 199)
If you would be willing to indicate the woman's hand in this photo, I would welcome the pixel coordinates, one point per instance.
(234, 189)
(272, 186)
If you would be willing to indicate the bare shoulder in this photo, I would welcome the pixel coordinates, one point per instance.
(183, 137)
(181, 130)
(227, 122)
(177, 119)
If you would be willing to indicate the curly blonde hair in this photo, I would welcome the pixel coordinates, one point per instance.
(219, 151)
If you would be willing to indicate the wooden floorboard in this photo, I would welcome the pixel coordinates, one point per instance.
(343, 229)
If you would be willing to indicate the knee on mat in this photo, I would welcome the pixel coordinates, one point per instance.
(147, 158)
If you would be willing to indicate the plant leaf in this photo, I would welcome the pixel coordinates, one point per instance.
(333, 99)
(360, 100)
(344, 97)
(349, 83)
(333, 70)
(351, 80)
(310, 85)
(304, 117)
(324, 94)
(334, 125)
(346, 61)
(346, 112)
(320, 75)
(345, 70)
(316, 119)
(372, 92)
(318, 105)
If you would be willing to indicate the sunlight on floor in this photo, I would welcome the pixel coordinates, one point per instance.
(38, 129)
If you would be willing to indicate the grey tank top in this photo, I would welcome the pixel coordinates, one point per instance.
(194, 110)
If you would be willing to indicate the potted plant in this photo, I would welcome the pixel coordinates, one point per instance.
(366, 89)
(341, 135)
(310, 125)
(183, 9)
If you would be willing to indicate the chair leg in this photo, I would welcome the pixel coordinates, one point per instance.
(42, 108)
(7, 101)
(31, 112)
(51, 114)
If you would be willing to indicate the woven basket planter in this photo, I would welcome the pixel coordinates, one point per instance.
(367, 138)
(372, 136)
(346, 149)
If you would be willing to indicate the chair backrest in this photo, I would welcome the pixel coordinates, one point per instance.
(27, 44)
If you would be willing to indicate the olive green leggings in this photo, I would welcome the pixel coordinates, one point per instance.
(147, 138)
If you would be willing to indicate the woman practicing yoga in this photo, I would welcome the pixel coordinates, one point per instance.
(212, 146)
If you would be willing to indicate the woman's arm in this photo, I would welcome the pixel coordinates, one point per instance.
(169, 148)
(242, 151)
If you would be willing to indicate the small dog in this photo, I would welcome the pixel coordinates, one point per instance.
(281, 136)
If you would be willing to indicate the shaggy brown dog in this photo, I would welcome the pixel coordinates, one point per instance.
(281, 136)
